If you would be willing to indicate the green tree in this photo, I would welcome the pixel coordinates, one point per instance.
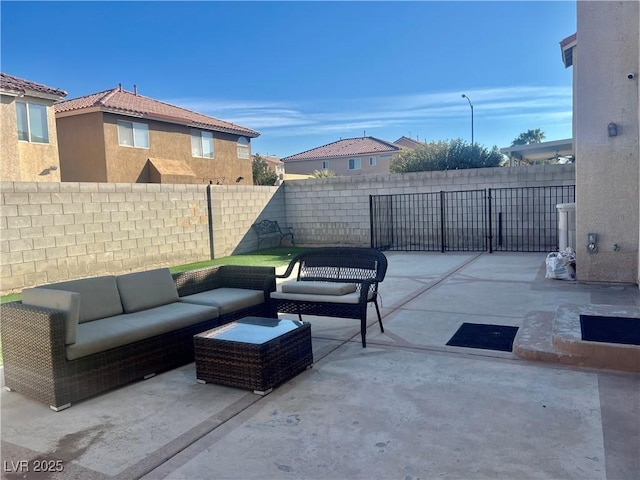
(323, 174)
(446, 155)
(262, 174)
(528, 137)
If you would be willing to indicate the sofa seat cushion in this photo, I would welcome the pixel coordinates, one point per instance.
(227, 300)
(67, 302)
(99, 296)
(311, 297)
(107, 333)
(319, 288)
(143, 290)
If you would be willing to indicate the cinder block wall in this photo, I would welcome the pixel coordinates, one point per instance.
(335, 211)
(51, 232)
(57, 231)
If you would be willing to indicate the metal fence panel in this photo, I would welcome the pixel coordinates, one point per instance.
(520, 219)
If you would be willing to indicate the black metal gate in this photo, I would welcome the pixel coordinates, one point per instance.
(521, 219)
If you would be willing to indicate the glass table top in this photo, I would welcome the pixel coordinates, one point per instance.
(254, 330)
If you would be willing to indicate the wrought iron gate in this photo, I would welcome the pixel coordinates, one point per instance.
(522, 219)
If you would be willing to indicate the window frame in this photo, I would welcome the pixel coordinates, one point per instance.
(242, 149)
(373, 161)
(121, 123)
(325, 164)
(28, 124)
(357, 163)
(200, 135)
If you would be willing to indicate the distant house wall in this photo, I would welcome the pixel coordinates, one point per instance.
(22, 160)
(82, 152)
(607, 168)
(340, 165)
(90, 151)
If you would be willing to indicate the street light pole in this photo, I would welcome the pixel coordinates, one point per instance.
(469, 100)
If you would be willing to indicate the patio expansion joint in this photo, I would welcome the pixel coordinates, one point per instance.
(398, 305)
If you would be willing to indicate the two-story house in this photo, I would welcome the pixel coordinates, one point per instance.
(121, 136)
(29, 150)
(350, 156)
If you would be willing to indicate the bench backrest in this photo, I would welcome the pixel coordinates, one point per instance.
(266, 227)
(341, 264)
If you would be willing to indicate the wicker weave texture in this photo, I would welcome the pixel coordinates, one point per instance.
(251, 366)
(34, 351)
(365, 267)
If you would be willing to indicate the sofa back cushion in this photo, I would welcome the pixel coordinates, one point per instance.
(144, 290)
(68, 302)
(99, 297)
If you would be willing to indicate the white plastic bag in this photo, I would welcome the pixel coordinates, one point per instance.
(560, 265)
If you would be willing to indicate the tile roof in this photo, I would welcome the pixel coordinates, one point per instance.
(347, 147)
(123, 102)
(9, 83)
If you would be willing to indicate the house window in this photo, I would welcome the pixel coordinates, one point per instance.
(133, 134)
(355, 164)
(243, 147)
(32, 122)
(325, 165)
(372, 161)
(201, 144)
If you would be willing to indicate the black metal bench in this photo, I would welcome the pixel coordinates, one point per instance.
(341, 281)
(270, 229)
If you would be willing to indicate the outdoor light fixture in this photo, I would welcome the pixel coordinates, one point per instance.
(469, 100)
(239, 179)
(612, 128)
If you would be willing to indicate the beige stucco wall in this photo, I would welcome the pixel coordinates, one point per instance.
(340, 165)
(26, 161)
(90, 151)
(81, 140)
(607, 168)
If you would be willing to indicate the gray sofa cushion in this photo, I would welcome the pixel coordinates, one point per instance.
(227, 300)
(68, 302)
(108, 333)
(319, 288)
(99, 297)
(144, 290)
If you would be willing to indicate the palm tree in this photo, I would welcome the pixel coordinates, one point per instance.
(528, 137)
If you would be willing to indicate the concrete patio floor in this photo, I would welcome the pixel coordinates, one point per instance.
(406, 407)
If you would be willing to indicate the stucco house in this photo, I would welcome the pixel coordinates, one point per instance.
(122, 136)
(28, 135)
(276, 165)
(605, 57)
(349, 156)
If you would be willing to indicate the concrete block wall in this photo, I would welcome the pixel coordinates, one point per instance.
(236, 208)
(51, 232)
(335, 211)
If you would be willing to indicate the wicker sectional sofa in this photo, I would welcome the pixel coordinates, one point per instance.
(71, 340)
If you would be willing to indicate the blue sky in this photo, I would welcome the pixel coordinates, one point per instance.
(309, 73)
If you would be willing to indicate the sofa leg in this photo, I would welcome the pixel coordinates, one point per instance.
(60, 408)
(363, 331)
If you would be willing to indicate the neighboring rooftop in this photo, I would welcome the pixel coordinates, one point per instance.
(20, 87)
(347, 147)
(409, 143)
(123, 102)
(567, 45)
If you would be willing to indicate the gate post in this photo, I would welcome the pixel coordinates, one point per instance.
(490, 236)
(442, 226)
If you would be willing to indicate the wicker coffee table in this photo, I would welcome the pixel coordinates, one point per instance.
(253, 352)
